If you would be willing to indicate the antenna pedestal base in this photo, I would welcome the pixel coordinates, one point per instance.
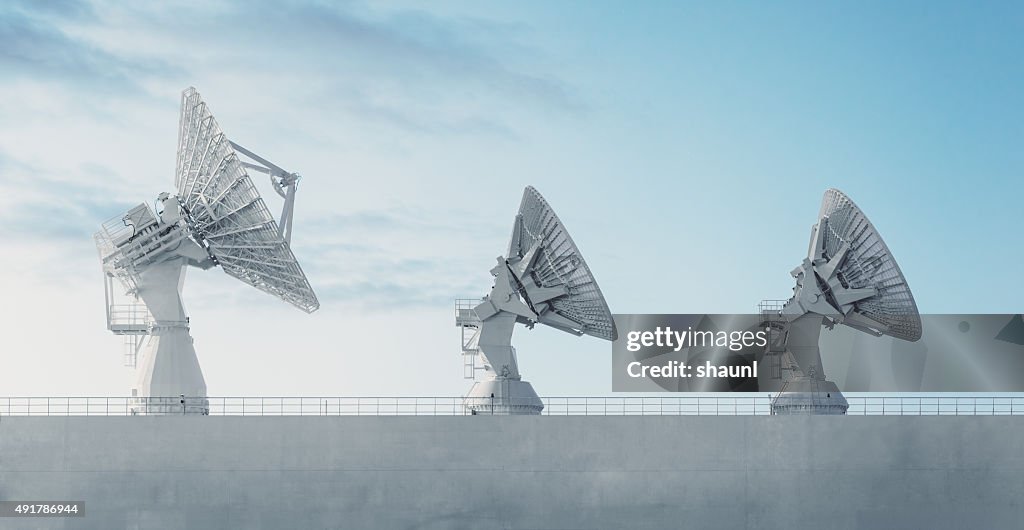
(805, 396)
(170, 406)
(169, 374)
(502, 397)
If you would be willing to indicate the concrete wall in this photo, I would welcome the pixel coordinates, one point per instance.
(518, 472)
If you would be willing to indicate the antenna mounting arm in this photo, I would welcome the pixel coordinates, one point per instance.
(285, 184)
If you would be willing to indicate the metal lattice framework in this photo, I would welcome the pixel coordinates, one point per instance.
(559, 265)
(226, 214)
(868, 263)
(139, 226)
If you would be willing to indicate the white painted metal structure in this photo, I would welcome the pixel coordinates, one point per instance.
(849, 277)
(543, 279)
(217, 218)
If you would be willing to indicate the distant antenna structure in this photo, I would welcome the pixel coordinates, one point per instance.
(849, 277)
(216, 218)
(543, 279)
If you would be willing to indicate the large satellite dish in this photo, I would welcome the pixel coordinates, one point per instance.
(217, 218)
(544, 279)
(849, 277)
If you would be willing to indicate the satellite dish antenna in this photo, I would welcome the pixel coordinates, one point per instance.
(849, 277)
(216, 218)
(543, 279)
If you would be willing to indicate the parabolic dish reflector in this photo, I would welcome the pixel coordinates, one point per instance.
(227, 214)
(868, 263)
(559, 264)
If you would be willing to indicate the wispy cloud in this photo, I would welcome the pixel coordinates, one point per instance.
(36, 198)
(383, 259)
(36, 45)
(403, 70)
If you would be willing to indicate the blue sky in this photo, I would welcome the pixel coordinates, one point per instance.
(686, 146)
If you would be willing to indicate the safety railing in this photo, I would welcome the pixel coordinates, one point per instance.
(722, 405)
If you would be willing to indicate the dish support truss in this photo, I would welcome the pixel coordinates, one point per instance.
(227, 215)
